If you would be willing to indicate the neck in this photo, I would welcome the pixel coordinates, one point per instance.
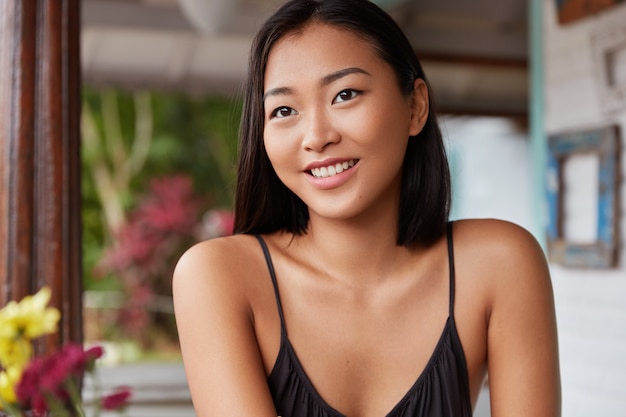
(364, 250)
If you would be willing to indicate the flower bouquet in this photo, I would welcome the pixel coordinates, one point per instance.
(50, 385)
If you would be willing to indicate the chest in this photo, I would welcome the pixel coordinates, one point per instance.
(356, 355)
(367, 390)
(364, 362)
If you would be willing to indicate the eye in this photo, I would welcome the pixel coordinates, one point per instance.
(345, 95)
(281, 112)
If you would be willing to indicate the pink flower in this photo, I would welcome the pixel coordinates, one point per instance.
(117, 400)
(92, 354)
(28, 387)
(27, 390)
(39, 406)
(50, 376)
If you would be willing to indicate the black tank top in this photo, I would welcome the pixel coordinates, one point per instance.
(441, 390)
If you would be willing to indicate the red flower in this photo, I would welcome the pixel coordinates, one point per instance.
(91, 355)
(39, 406)
(117, 400)
(28, 387)
(49, 376)
(29, 390)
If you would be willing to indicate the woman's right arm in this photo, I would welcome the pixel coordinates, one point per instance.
(215, 324)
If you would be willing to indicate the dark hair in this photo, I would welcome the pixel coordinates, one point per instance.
(263, 204)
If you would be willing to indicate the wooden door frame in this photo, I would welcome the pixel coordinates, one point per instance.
(40, 217)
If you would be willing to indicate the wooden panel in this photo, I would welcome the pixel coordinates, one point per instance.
(572, 10)
(40, 156)
(16, 147)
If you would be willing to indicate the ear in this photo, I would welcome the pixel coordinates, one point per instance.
(419, 107)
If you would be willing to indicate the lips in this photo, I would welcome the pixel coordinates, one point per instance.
(332, 169)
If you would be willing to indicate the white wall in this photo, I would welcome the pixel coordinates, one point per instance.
(591, 304)
(491, 168)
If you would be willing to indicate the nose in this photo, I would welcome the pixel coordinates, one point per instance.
(319, 131)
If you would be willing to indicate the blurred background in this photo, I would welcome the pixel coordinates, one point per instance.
(522, 89)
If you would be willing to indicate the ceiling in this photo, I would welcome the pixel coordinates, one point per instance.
(474, 52)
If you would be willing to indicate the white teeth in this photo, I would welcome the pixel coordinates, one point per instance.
(331, 170)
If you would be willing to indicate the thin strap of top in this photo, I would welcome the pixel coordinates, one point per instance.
(270, 267)
(451, 267)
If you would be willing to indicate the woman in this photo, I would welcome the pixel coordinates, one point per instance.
(345, 290)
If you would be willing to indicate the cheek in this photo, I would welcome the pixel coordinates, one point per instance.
(386, 130)
(390, 115)
(278, 150)
(282, 158)
(269, 142)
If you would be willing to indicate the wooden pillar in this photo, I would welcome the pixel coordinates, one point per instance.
(40, 157)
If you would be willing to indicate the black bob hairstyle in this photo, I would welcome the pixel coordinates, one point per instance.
(263, 204)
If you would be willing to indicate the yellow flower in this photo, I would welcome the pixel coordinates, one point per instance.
(15, 352)
(29, 318)
(8, 381)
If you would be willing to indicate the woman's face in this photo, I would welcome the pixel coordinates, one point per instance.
(336, 124)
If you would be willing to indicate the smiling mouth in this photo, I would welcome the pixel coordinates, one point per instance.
(330, 170)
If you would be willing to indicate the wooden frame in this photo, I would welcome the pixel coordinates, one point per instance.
(40, 219)
(604, 142)
(571, 10)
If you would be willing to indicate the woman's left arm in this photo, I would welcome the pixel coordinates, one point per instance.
(522, 346)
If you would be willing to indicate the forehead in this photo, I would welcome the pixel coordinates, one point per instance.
(317, 50)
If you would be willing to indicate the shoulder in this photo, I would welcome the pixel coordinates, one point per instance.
(219, 248)
(506, 265)
(497, 241)
(224, 253)
(223, 264)
(486, 230)
(505, 257)
(216, 300)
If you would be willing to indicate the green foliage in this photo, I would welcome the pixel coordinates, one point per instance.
(196, 137)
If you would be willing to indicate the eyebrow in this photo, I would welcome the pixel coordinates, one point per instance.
(332, 77)
(328, 79)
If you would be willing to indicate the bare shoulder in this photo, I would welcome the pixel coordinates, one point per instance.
(218, 250)
(224, 259)
(505, 265)
(502, 233)
(499, 249)
(217, 272)
(215, 289)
